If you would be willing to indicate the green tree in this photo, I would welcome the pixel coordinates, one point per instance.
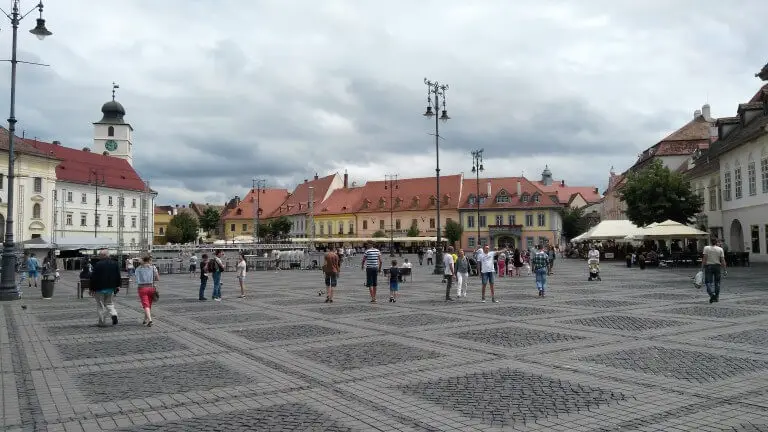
(173, 234)
(280, 227)
(186, 225)
(209, 220)
(379, 234)
(574, 222)
(453, 231)
(413, 231)
(265, 230)
(656, 194)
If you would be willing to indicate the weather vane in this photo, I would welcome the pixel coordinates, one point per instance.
(115, 86)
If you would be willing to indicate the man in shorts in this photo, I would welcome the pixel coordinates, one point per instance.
(372, 265)
(486, 259)
(331, 269)
(33, 269)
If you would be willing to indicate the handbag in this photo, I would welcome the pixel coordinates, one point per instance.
(156, 294)
(698, 280)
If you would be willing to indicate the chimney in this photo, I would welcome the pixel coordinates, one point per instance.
(706, 112)
(488, 190)
(57, 142)
(562, 183)
(346, 179)
(696, 114)
(519, 188)
(597, 191)
(86, 149)
(105, 153)
(316, 177)
(305, 180)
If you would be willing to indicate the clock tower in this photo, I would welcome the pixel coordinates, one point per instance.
(112, 134)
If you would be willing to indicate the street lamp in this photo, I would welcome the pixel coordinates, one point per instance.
(259, 186)
(8, 288)
(96, 179)
(477, 168)
(437, 90)
(390, 182)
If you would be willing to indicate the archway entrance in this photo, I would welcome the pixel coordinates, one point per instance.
(737, 237)
(506, 241)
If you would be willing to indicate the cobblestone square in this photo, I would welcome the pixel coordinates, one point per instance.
(640, 350)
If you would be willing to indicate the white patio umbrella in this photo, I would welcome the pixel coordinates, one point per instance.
(670, 229)
(612, 230)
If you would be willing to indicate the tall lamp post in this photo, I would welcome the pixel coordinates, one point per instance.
(477, 168)
(259, 186)
(390, 182)
(437, 90)
(8, 288)
(96, 179)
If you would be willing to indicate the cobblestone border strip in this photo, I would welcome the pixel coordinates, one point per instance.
(30, 411)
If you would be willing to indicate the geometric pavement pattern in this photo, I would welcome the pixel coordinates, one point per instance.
(639, 350)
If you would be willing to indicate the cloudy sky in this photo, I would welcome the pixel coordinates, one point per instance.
(219, 92)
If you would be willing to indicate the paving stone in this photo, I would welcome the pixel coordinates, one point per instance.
(667, 296)
(118, 347)
(296, 301)
(367, 354)
(507, 396)
(130, 383)
(514, 336)
(414, 320)
(83, 329)
(347, 309)
(286, 417)
(233, 318)
(514, 311)
(67, 316)
(600, 303)
(757, 337)
(755, 302)
(625, 322)
(713, 312)
(681, 364)
(195, 307)
(286, 332)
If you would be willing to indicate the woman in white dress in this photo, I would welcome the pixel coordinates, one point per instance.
(241, 270)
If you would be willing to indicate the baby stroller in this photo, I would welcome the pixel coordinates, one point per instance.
(594, 269)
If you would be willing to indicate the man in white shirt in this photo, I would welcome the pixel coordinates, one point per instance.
(449, 272)
(485, 259)
(407, 264)
(593, 254)
(713, 264)
(429, 256)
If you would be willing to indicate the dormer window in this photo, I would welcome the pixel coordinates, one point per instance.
(471, 199)
(554, 198)
(525, 197)
(536, 197)
(382, 202)
(415, 202)
(446, 199)
(398, 202)
(432, 200)
(366, 203)
(502, 197)
(239, 212)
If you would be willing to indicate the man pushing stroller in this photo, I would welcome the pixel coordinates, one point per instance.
(593, 263)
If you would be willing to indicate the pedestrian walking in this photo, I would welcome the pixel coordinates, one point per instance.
(502, 263)
(462, 274)
(430, 254)
(105, 282)
(203, 277)
(147, 277)
(192, 265)
(394, 282)
(33, 269)
(540, 265)
(421, 256)
(449, 272)
(331, 270)
(713, 263)
(241, 268)
(486, 259)
(551, 254)
(129, 266)
(372, 265)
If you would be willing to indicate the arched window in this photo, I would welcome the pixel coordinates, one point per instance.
(36, 211)
(111, 131)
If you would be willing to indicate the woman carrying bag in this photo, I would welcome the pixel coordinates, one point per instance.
(146, 277)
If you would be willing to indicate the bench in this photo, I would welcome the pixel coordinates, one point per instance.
(403, 273)
(82, 286)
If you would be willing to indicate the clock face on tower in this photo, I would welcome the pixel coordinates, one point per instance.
(110, 145)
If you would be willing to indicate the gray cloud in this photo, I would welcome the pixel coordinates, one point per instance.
(220, 92)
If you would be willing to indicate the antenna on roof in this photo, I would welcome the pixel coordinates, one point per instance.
(115, 86)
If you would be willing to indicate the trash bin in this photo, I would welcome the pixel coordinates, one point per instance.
(47, 285)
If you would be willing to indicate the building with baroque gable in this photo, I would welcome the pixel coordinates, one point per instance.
(673, 150)
(35, 185)
(238, 220)
(98, 193)
(570, 196)
(509, 211)
(296, 207)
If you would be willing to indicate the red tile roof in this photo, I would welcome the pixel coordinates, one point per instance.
(565, 193)
(269, 200)
(344, 200)
(411, 194)
(163, 209)
(509, 186)
(692, 136)
(20, 145)
(78, 166)
(298, 202)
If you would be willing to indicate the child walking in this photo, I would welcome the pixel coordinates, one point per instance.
(394, 282)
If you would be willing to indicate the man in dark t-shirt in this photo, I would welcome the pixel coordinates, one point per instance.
(331, 269)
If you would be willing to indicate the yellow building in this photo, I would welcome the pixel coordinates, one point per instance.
(35, 190)
(335, 217)
(509, 211)
(238, 221)
(163, 216)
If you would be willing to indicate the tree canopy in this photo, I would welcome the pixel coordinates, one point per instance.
(209, 220)
(183, 228)
(413, 231)
(574, 222)
(656, 194)
(453, 231)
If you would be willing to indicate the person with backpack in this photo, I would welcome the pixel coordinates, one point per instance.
(215, 267)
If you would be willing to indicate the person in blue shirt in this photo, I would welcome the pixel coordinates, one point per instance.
(33, 270)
